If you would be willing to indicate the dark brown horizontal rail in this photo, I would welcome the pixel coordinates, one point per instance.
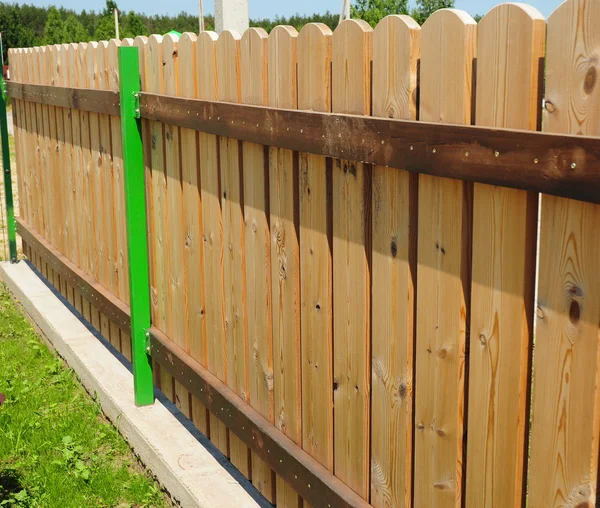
(85, 99)
(567, 166)
(107, 303)
(309, 478)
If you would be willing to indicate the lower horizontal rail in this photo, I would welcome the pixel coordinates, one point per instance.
(309, 478)
(107, 303)
(315, 483)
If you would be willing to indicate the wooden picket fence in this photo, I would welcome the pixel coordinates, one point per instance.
(433, 342)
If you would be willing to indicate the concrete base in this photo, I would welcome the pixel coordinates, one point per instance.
(184, 462)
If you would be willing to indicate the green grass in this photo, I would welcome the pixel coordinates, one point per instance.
(56, 447)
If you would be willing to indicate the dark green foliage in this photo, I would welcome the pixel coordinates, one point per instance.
(373, 11)
(426, 8)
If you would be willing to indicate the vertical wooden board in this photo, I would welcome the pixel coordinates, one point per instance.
(119, 263)
(63, 152)
(563, 461)
(15, 58)
(160, 268)
(86, 163)
(96, 243)
(253, 75)
(114, 197)
(228, 65)
(509, 49)
(212, 229)
(35, 161)
(19, 129)
(351, 93)
(192, 222)
(63, 79)
(31, 138)
(175, 233)
(108, 203)
(396, 51)
(449, 43)
(43, 171)
(40, 170)
(314, 93)
(285, 264)
(57, 150)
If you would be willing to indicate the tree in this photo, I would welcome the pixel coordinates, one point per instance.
(54, 29)
(105, 30)
(373, 11)
(133, 26)
(74, 30)
(426, 8)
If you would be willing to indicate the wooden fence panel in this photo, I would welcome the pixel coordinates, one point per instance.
(234, 280)
(206, 52)
(449, 39)
(315, 193)
(192, 222)
(563, 468)
(351, 93)
(253, 75)
(285, 267)
(396, 51)
(510, 46)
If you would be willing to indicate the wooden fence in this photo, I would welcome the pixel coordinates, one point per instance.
(430, 341)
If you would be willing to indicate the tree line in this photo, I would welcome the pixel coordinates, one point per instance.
(24, 25)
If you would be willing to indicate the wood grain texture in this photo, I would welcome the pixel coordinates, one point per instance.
(285, 268)
(314, 93)
(351, 93)
(563, 466)
(206, 54)
(449, 40)
(510, 45)
(192, 223)
(396, 51)
(119, 262)
(160, 269)
(253, 75)
(175, 245)
(234, 280)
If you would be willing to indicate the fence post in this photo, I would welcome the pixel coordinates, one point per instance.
(8, 195)
(135, 213)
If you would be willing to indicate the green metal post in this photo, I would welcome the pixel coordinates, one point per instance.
(8, 194)
(135, 209)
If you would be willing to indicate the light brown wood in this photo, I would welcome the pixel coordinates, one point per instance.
(20, 133)
(285, 267)
(449, 44)
(351, 93)
(118, 265)
(510, 45)
(174, 247)
(206, 54)
(192, 223)
(563, 465)
(314, 93)
(253, 75)
(396, 51)
(160, 270)
(229, 89)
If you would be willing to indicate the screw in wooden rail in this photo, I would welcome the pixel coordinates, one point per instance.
(135, 216)
(10, 209)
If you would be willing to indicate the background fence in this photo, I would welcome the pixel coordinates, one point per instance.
(382, 319)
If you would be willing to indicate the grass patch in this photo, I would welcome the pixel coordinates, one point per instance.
(56, 447)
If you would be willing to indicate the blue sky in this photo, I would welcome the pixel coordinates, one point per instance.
(268, 8)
